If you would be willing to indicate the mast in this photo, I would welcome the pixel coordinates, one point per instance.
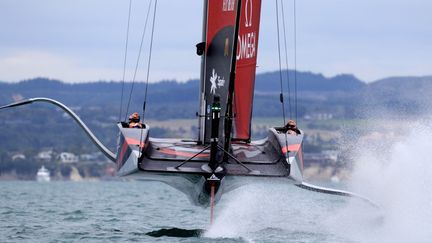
(200, 51)
(229, 110)
(220, 18)
(227, 22)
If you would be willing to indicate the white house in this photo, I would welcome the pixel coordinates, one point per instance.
(18, 157)
(66, 157)
(45, 155)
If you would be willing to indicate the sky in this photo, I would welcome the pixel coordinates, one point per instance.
(82, 40)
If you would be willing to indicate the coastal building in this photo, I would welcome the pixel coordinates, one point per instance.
(66, 157)
(92, 157)
(16, 157)
(46, 155)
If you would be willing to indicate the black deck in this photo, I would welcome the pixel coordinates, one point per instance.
(166, 155)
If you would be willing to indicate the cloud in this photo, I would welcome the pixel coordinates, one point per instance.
(28, 64)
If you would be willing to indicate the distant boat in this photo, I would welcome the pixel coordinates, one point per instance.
(43, 175)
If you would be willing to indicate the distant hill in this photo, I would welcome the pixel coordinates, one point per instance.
(104, 92)
(343, 95)
(307, 81)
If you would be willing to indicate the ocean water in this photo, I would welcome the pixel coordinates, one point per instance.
(134, 211)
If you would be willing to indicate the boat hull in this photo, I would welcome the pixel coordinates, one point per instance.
(184, 164)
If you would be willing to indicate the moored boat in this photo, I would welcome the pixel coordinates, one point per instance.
(43, 175)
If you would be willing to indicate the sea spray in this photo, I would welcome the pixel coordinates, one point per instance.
(398, 177)
(277, 209)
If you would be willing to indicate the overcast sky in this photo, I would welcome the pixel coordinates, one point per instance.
(84, 40)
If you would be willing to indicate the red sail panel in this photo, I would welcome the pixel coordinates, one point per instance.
(221, 16)
(246, 66)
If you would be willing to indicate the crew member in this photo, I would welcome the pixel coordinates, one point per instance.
(134, 121)
(291, 128)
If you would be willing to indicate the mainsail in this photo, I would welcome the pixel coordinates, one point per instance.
(246, 66)
(219, 33)
(219, 26)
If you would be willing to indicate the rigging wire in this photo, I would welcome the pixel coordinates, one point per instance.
(295, 59)
(286, 61)
(280, 76)
(125, 58)
(281, 96)
(149, 59)
(148, 71)
(138, 59)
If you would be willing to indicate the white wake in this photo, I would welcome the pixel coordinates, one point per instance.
(397, 176)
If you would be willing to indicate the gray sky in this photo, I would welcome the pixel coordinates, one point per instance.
(83, 40)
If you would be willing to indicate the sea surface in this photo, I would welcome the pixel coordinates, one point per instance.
(137, 211)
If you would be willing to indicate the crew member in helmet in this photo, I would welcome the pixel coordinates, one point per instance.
(134, 121)
(291, 128)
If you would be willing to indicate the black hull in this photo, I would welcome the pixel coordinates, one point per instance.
(184, 164)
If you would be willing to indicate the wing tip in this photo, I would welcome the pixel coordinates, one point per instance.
(338, 192)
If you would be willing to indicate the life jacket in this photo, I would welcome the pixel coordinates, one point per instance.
(135, 125)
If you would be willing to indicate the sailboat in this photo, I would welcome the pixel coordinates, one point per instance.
(223, 157)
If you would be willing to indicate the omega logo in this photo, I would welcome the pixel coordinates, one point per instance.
(248, 13)
(247, 39)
